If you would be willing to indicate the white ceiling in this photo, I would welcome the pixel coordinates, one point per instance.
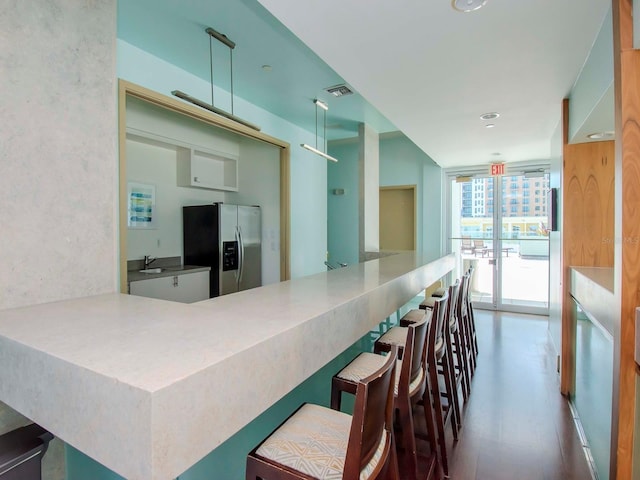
(417, 66)
(432, 71)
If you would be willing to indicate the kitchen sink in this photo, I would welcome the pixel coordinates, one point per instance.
(152, 270)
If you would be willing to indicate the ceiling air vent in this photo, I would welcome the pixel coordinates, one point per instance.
(339, 90)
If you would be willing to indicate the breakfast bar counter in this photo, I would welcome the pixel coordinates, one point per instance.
(149, 387)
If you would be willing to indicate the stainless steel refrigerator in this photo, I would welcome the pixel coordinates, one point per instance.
(227, 238)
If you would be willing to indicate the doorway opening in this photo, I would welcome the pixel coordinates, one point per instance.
(500, 226)
(398, 218)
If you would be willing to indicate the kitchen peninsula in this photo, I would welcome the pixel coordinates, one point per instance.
(148, 387)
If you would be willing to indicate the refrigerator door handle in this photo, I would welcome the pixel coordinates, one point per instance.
(236, 272)
(241, 255)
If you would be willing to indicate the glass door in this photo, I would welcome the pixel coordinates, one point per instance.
(498, 225)
(524, 243)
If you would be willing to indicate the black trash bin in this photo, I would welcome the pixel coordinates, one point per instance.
(21, 453)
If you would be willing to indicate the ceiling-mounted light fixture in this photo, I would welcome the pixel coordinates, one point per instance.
(225, 41)
(339, 90)
(489, 116)
(467, 5)
(324, 107)
(538, 172)
(601, 135)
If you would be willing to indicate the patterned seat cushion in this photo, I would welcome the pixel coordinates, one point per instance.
(367, 363)
(428, 303)
(414, 316)
(439, 292)
(394, 336)
(314, 441)
(362, 366)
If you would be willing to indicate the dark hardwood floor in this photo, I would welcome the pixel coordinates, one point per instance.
(516, 424)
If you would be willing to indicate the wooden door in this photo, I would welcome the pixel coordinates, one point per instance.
(398, 218)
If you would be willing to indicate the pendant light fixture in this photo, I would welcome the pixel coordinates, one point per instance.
(225, 41)
(324, 107)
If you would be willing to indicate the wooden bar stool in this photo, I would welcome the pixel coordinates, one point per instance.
(410, 385)
(438, 364)
(437, 356)
(451, 335)
(472, 320)
(457, 338)
(470, 324)
(320, 443)
(461, 338)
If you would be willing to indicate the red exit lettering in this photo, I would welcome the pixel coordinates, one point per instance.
(497, 169)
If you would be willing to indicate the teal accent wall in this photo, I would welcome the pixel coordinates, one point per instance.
(308, 171)
(342, 210)
(227, 462)
(401, 163)
(594, 80)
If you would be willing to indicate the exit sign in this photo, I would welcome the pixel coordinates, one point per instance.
(497, 169)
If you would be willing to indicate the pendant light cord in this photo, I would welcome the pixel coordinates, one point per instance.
(324, 134)
(211, 69)
(231, 65)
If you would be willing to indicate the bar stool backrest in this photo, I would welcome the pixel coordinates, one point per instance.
(438, 318)
(464, 294)
(452, 307)
(464, 290)
(372, 417)
(416, 342)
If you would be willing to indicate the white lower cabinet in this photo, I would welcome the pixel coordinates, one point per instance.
(185, 288)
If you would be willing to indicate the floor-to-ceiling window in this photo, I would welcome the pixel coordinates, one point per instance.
(500, 226)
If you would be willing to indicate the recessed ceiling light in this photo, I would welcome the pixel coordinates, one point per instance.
(489, 116)
(467, 5)
(490, 125)
(599, 135)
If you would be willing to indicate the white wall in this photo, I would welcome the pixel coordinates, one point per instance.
(308, 171)
(59, 162)
(155, 165)
(58, 155)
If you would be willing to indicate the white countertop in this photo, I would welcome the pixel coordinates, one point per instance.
(592, 288)
(148, 387)
(602, 276)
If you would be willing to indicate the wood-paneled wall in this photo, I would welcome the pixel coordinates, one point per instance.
(588, 194)
(627, 223)
(588, 189)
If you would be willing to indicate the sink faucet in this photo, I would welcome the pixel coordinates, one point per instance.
(148, 261)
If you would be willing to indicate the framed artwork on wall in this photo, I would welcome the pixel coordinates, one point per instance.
(141, 205)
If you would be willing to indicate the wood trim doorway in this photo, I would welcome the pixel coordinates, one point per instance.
(127, 89)
(398, 217)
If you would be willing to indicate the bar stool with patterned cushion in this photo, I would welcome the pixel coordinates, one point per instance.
(467, 318)
(458, 341)
(456, 347)
(437, 365)
(461, 338)
(320, 443)
(410, 385)
(470, 316)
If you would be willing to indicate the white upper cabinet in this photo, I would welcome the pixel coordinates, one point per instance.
(203, 168)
